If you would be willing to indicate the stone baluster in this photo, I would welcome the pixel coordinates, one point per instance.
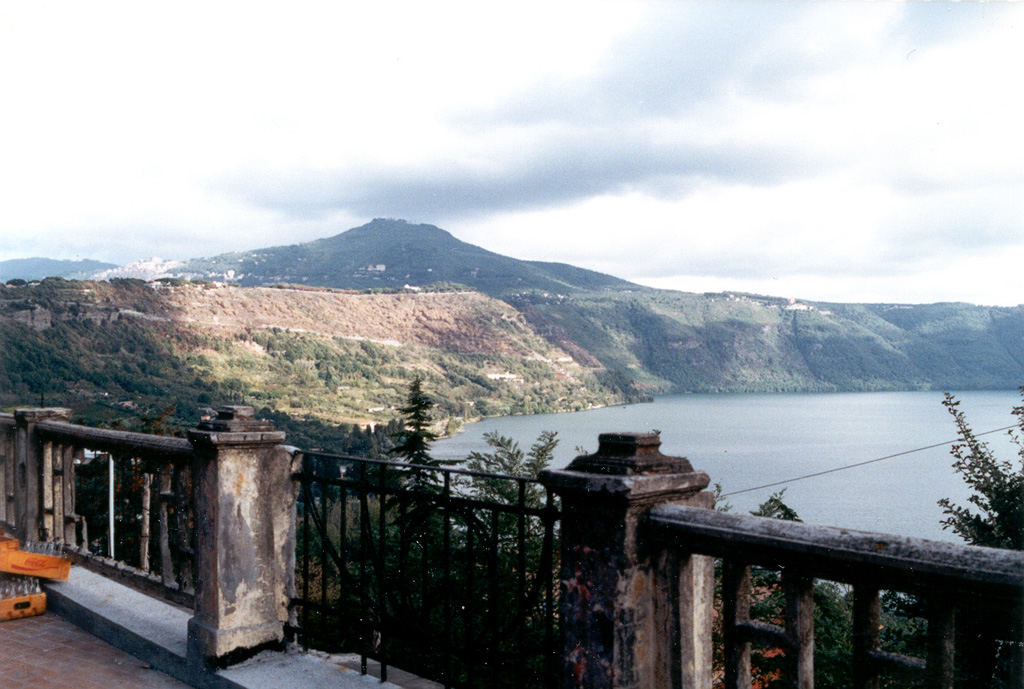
(32, 455)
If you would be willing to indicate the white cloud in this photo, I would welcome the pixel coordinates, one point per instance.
(836, 148)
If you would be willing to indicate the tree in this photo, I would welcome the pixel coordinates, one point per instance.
(997, 519)
(415, 437)
(507, 458)
(521, 551)
(775, 508)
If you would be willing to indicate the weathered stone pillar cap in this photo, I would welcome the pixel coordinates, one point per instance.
(36, 413)
(235, 425)
(235, 418)
(627, 454)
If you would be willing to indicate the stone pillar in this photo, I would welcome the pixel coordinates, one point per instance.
(244, 512)
(633, 613)
(28, 468)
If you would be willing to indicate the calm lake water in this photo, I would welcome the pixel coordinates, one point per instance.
(744, 441)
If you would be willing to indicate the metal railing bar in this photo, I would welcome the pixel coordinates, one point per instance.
(324, 562)
(364, 518)
(447, 639)
(425, 497)
(382, 573)
(492, 575)
(407, 465)
(470, 642)
(342, 563)
(306, 507)
(547, 567)
(521, 589)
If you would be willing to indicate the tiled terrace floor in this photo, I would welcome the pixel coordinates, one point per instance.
(51, 651)
(47, 651)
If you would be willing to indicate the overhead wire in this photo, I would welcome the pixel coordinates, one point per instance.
(860, 464)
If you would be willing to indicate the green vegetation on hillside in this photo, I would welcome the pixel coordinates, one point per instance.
(123, 349)
(116, 352)
(676, 342)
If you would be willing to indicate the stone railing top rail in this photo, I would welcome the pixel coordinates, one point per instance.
(845, 555)
(140, 445)
(7, 420)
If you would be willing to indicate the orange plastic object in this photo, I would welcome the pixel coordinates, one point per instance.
(15, 561)
(8, 542)
(22, 606)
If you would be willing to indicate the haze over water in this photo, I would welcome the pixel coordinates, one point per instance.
(748, 440)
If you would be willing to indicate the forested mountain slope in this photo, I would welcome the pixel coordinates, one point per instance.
(676, 342)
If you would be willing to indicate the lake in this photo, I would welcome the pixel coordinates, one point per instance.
(747, 440)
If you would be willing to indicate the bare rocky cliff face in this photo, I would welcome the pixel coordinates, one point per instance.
(465, 322)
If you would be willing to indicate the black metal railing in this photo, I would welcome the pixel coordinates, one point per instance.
(445, 573)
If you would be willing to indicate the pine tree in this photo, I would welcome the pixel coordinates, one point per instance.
(415, 437)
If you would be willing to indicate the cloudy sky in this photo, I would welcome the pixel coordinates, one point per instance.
(833, 151)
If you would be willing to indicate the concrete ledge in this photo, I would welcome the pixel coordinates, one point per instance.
(311, 670)
(156, 632)
(147, 628)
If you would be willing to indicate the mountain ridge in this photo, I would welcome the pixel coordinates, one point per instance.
(391, 254)
(636, 340)
(37, 268)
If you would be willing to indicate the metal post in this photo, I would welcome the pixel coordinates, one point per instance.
(110, 506)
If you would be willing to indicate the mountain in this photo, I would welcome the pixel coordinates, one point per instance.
(391, 254)
(327, 332)
(39, 268)
(664, 341)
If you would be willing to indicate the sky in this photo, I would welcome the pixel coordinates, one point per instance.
(834, 151)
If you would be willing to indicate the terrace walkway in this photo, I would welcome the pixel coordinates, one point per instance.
(51, 651)
(48, 651)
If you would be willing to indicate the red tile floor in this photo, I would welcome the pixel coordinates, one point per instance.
(46, 651)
